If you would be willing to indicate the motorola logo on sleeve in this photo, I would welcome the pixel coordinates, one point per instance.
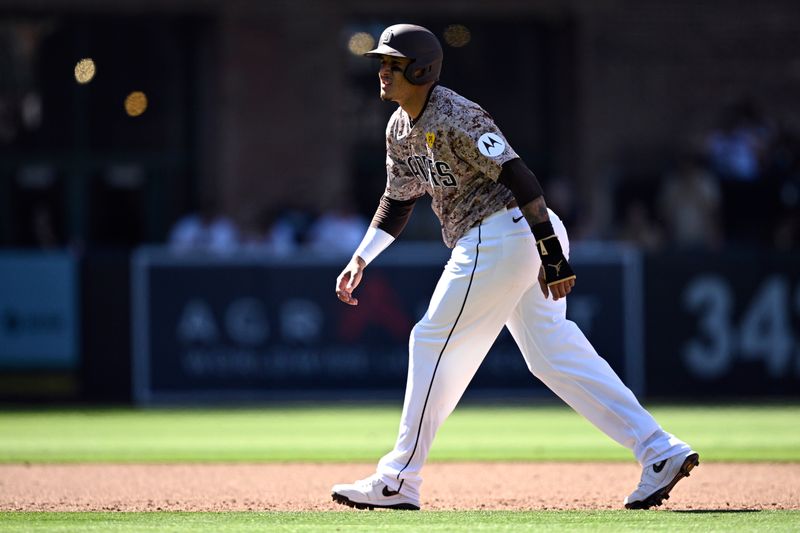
(491, 145)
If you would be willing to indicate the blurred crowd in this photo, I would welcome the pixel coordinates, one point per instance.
(278, 233)
(737, 186)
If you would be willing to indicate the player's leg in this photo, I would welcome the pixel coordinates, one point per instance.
(469, 306)
(558, 353)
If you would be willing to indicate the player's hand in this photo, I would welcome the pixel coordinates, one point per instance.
(559, 288)
(555, 275)
(349, 279)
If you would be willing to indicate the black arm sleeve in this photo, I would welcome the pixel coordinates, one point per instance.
(392, 215)
(521, 181)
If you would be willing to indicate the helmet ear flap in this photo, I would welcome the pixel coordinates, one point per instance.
(420, 72)
(414, 73)
(424, 69)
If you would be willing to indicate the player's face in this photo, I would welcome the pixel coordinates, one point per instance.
(394, 86)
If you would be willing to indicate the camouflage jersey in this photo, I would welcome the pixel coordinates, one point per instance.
(455, 153)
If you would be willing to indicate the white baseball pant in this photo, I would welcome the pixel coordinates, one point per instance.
(491, 281)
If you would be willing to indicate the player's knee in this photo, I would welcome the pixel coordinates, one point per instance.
(423, 336)
(418, 333)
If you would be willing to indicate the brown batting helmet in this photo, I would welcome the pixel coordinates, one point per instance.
(415, 43)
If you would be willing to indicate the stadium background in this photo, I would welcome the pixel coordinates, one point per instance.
(260, 113)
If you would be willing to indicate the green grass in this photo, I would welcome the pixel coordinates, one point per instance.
(404, 522)
(342, 433)
(767, 433)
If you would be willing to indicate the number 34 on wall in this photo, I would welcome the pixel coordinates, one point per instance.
(764, 333)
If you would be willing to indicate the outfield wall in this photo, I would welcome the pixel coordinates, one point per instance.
(255, 327)
(156, 327)
(722, 325)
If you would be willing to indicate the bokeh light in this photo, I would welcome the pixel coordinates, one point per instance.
(457, 35)
(84, 70)
(135, 103)
(361, 43)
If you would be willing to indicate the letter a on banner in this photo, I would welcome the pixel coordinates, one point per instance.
(197, 323)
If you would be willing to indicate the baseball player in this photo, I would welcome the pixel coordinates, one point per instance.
(505, 242)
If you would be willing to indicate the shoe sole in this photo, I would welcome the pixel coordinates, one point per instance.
(344, 500)
(658, 497)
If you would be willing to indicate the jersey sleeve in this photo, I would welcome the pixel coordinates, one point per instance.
(478, 141)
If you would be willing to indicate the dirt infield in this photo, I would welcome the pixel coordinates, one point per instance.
(297, 487)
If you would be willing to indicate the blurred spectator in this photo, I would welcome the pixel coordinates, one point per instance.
(736, 148)
(638, 226)
(737, 152)
(21, 107)
(271, 232)
(689, 204)
(37, 207)
(337, 231)
(207, 230)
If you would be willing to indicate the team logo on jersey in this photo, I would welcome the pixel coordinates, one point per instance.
(435, 173)
(491, 145)
(430, 138)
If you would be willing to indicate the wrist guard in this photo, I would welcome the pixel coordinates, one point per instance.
(556, 267)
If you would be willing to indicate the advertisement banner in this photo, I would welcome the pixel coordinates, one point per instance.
(212, 328)
(38, 311)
